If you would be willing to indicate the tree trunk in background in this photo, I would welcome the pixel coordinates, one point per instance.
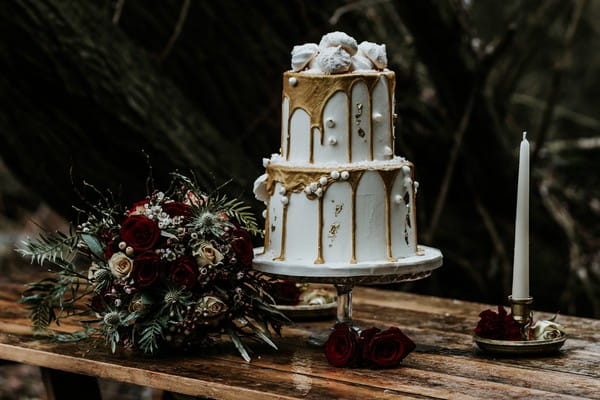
(197, 85)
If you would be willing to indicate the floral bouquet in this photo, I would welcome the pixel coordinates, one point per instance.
(171, 271)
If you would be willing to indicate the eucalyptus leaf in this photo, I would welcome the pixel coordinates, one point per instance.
(94, 245)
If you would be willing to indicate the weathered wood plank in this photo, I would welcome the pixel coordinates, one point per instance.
(444, 365)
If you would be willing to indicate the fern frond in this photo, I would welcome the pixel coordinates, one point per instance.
(151, 335)
(50, 246)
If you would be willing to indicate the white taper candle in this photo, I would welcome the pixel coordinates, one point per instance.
(520, 286)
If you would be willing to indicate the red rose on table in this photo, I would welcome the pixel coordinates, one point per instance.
(242, 246)
(285, 292)
(499, 326)
(146, 269)
(183, 272)
(342, 348)
(140, 232)
(177, 209)
(385, 348)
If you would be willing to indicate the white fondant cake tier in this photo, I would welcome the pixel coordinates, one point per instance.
(342, 118)
(353, 213)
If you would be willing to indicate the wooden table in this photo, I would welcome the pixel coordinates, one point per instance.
(445, 363)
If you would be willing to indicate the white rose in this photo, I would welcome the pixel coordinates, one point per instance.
(120, 265)
(206, 254)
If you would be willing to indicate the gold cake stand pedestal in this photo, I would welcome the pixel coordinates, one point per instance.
(345, 276)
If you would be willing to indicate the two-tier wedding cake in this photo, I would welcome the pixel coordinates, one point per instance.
(337, 194)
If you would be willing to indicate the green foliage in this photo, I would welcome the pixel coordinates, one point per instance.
(152, 333)
(51, 299)
(49, 246)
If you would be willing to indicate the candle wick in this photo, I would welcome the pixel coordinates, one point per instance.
(524, 135)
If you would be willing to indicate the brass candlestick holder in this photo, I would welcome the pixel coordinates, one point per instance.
(521, 310)
(522, 314)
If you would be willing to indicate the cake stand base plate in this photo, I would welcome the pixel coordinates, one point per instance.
(382, 272)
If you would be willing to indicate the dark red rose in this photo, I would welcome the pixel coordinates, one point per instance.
(177, 209)
(183, 272)
(385, 348)
(242, 246)
(140, 232)
(499, 326)
(111, 248)
(146, 269)
(285, 292)
(341, 348)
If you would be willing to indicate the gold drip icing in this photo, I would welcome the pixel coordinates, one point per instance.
(283, 234)
(353, 180)
(391, 88)
(388, 178)
(319, 259)
(349, 126)
(311, 93)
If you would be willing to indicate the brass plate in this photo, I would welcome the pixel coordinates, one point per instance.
(520, 347)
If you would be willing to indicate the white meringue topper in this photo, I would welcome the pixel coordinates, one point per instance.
(338, 53)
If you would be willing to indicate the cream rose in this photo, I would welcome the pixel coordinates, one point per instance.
(206, 254)
(120, 265)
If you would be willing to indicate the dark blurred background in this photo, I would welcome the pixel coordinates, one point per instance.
(88, 86)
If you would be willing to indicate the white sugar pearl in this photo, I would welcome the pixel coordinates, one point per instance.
(330, 123)
(264, 213)
(319, 192)
(282, 191)
(377, 117)
(314, 186)
(406, 169)
(284, 200)
(266, 162)
(335, 175)
(323, 180)
(308, 190)
(416, 185)
(293, 81)
(387, 150)
(332, 140)
(397, 199)
(345, 175)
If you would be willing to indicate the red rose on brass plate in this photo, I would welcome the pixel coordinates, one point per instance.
(183, 272)
(499, 326)
(140, 232)
(342, 347)
(385, 348)
(242, 246)
(146, 269)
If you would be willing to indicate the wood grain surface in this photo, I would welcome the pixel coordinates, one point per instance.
(445, 364)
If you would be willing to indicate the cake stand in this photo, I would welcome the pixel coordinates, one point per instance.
(345, 276)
